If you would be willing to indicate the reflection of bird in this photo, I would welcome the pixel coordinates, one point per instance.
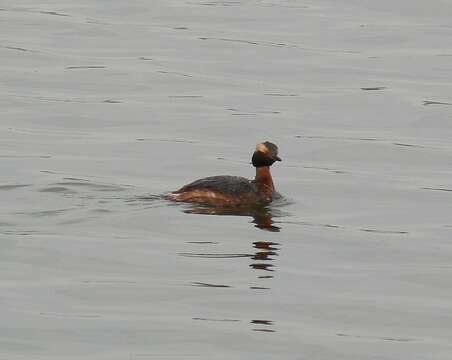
(262, 216)
(263, 220)
(265, 253)
(233, 191)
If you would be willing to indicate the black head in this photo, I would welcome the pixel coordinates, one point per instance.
(265, 155)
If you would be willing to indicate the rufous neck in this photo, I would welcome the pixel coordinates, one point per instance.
(264, 179)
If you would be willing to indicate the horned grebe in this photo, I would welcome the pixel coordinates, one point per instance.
(233, 191)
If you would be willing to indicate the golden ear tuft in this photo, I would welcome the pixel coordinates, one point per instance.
(262, 148)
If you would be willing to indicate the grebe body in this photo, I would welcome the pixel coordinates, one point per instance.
(235, 191)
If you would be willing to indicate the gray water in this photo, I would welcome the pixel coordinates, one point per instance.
(106, 105)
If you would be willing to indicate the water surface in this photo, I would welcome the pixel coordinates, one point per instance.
(106, 106)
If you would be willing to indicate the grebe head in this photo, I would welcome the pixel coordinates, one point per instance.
(265, 155)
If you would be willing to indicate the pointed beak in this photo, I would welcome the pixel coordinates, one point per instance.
(277, 158)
